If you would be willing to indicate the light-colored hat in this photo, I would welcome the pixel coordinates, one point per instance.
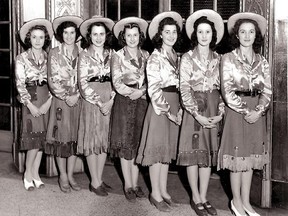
(58, 20)
(153, 27)
(84, 25)
(262, 22)
(212, 16)
(119, 26)
(28, 25)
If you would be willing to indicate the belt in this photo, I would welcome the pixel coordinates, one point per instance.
(36, 83)
(252, 93)
(170, 89)
(100, 79)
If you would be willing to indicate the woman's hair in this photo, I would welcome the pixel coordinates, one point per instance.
(60, 30)
(86, 42)
(194, 40)
(121, 37)
(157, 40)
(27, 40)
(259, 40)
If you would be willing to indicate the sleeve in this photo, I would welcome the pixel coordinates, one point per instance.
(228, 88)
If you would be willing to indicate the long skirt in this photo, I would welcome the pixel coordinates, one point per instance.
(198, 145)
(243, 145)
(62, 128)
(93, 125)
(159, 136)
(126, 128)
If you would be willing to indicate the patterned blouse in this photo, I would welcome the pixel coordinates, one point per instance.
(128, 73)
(62, 72)
(28, 71)
(239, 75)
(162, 71)
(198, 76)
(90, 65)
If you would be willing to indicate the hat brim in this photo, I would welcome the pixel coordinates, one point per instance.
(261, 21)
(212, 16)
(85, 24)
(28, 25)
(153, 27)
(119, 26)
(58, 20)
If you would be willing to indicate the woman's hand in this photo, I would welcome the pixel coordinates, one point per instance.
(137, 93)
(205, 122)
(252, 116)
(72, 100)
(45, 107)
(215, 119)
(35, 111)
(106, 107)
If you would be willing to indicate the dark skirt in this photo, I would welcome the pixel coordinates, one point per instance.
(198, 145)
(159, 136)
(126, 128)
(62, 128)
(243, 145)
(33, 129)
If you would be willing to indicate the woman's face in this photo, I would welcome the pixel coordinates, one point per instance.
(98, 36)
(204, 34)
(132, 37)
(69, 35)
(37, 38)
(169, 35)
(247, 34)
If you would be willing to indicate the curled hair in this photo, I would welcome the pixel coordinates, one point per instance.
(27, 40)
(194, 40)
(60, 30)
(259, 40)
(121, 37)
(86, 42)
(157, 40)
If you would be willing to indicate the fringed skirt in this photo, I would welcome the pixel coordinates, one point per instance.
(243, 145)
(198, 145)
(159, 136)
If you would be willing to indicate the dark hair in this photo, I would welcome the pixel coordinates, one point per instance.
(121, 37)
(259, 39)
(27, 40)
(86, 42)
(194, 40)
(60, 30)
(157, 40)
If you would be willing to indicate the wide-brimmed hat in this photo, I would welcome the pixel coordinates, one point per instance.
(58, 20)
(153, 27)
(261, 21)
(28, 25)
(85, 24)
(119, 26)
(212, 16)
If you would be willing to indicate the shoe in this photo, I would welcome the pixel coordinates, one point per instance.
(209, 208)
(38, 183)
(98, 191)
(250, 213)
(130, 195)
(29, 186)
(139, 192)
(235, 211)
(171, 202)
(161, 206)
(106, 187)
(64, 187)
(199, 209)
(75, 186)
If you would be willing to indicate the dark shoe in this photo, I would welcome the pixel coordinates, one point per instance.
(64, 187)
(172, 203)
(98, 191)
(209, 208)
(106, 187)
(75, 186)
(161, 206)
(130, 195)
(139, 192)
(197, 208)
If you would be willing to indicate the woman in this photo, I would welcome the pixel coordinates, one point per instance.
(199, 87)
(31, 83)
(96, 89)
(160, 131)
(64, 112)
(128, 76)
(246, 88)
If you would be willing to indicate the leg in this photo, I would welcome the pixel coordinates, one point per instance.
(235, 181)
(245, 189)
(135, 173)
(70, 168)
(101, 158)
(30, 158)
(163, 181)
(192, 174)
(126, 170)
(92, 165)
(36, 165)
(154, 173)
(204, 177)
(62, 168)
